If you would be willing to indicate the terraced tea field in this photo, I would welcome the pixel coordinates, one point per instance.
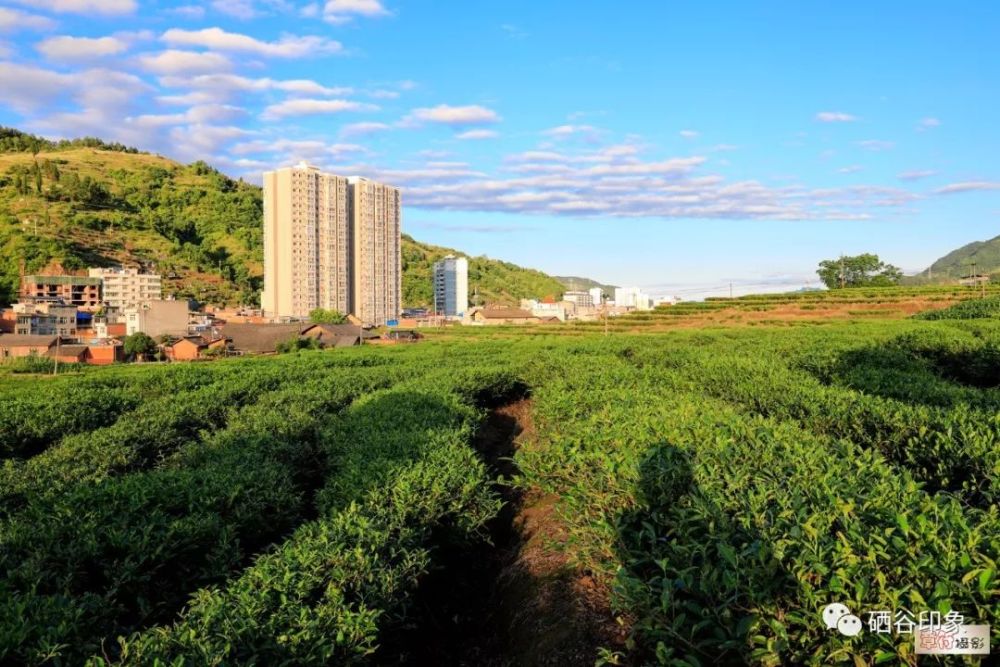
(696, 496)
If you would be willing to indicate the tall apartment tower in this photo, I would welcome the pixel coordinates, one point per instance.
(307, 242)
(451, 286)
(330, 242)
(376, 212)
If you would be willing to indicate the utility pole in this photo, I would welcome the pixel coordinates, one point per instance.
(55, 367)
(843, 276)
(604, 307)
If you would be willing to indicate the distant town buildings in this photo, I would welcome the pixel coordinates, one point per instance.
(158, 318)
(124, 287)
(451, 286)
(632, 297)
(582, 299)
(596, 295)
(81, 291)
(331, 242)
(44, 317)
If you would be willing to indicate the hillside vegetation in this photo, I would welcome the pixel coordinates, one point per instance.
(958, 263)
(490, 280)
(89, 203)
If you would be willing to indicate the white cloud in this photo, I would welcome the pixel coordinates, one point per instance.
(853, 169)
(310, 11)
(289, 46)
(205, 113)
(616, 182)
(221, 86)
(14, 19)
(173, 61)
(477, 134)
(968, 186)
(81, 48)
(565, 131)
(306, 107)
(83, 6)
(293, 150)
(241, 9)
(362, 129)
(342, 11)
(689, 134)
(445, 114)
(835, 117)
(876, 145)
(188, 11)
(35, 86)
(195, 142)
(915, 175)
(927, 124)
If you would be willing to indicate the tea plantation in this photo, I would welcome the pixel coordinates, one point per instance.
(719, 486)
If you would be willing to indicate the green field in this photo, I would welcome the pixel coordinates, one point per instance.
(715, 488)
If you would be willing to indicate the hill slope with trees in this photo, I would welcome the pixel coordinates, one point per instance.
(958, 263)
(86, 202)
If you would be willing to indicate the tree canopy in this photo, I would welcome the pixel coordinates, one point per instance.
(865, 270)
(139, 345)
(324, 316)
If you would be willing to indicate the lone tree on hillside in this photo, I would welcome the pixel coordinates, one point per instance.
(324, 316)
(859, 271)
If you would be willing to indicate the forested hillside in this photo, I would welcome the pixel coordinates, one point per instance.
(89, 203)
(959, 263)
(490, 280)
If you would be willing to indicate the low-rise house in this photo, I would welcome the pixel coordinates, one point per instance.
(8, 320)
(494, 316)
(397, 336)
(185, 349)
(105, 354)
(158, 318)
(338, 335)
(82, 291)
(13, 346)
(69, 354)
(40, 316)
(260, 338)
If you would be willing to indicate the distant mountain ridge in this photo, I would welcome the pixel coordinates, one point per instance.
(959, 263)
(86, 202)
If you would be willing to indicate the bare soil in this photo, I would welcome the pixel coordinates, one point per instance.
(515, 600)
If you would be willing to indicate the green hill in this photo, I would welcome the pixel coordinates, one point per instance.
(89, 203)
(958, 263)
(490, 280)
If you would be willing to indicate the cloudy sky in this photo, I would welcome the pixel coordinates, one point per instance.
(678, 146)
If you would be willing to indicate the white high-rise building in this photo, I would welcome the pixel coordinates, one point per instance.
(581, 299)
(631, 297)
(331, 242)
(596, 295)
(128, 287)
(451, 286)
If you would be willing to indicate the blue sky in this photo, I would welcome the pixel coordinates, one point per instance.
(674, 145)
